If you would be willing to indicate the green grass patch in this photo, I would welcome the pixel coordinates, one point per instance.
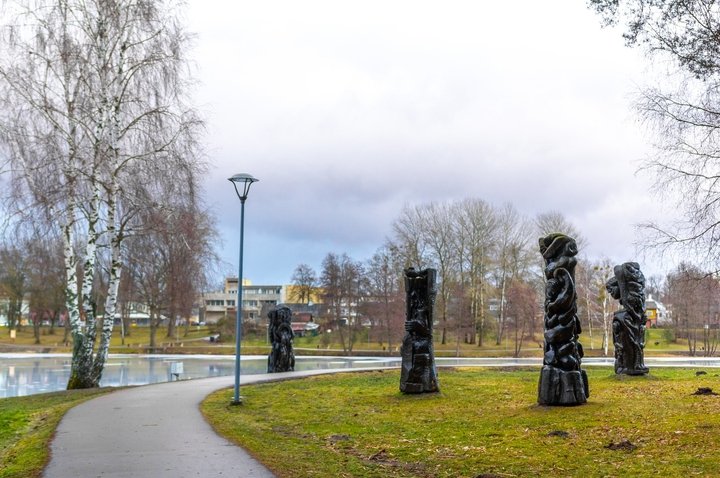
(484, 423)
(26, 426)
(136, 342)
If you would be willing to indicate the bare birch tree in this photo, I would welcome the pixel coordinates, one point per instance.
(94, 105)
(476, 234)
(512, 260)
(437, 234)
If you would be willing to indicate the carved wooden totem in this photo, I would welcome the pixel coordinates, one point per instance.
(562, 381)
(628, 286)
(417, 373)
(282, 356)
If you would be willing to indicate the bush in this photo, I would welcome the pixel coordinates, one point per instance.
(669, 335)
(225, 328)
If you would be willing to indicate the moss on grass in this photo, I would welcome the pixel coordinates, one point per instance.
(26, 426)
(485, 422)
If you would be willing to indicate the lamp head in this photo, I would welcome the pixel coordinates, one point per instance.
(242, 182)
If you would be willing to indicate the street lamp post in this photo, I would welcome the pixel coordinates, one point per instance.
(242, 183)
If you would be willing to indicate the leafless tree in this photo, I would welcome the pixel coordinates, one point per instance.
(304, 282)
(593, 298)
(408, 238)
(425, 234)
(14, 281)
(513, 258)
(46, 288)
(476, 228)
(524, 309)
(684, 112)
(94, 111)
(342, 282)
(694, 297)
(385, 301)
(555, 221)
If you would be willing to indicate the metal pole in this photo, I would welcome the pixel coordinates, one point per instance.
(238, 319)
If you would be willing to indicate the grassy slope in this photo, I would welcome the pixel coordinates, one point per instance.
(26, 426)
(484, 422)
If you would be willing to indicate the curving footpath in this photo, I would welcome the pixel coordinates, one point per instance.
(153, 431)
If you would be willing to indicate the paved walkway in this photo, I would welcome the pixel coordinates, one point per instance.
(153, 431)
(157, 431)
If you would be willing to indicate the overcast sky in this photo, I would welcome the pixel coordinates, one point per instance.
(348, 110)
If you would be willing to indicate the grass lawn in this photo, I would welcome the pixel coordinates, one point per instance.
(139, 337)
(484, 423)
(26, 426)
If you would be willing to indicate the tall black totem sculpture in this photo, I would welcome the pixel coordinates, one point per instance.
(628, 286)
(282, 357)
(562, 381)
(417, 372)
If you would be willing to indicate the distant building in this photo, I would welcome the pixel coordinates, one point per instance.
(24, 311)
(292, 294)
(657, 314)
(257, 300)
(304, 318)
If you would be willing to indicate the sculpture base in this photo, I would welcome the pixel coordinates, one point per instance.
(628, 371)
(418, 375)
(559, 387)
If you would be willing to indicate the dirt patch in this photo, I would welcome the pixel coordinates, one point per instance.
(623, 445)
(379, 456)
(337, 438)
(559, 434)
(287, 432)
(704, 391)
(383, 459)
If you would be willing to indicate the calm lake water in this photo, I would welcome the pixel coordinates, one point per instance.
(28, 374)
(22, 374)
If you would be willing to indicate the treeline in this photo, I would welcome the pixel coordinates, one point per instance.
(167, 263)
(694, 295)
(490, 283)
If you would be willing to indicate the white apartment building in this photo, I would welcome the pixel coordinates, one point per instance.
(257, 300)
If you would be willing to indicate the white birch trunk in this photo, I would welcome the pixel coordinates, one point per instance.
(589, 317)
(87, 301)
(71, 284)
(606, 328)
(110, 305)
(501, 315)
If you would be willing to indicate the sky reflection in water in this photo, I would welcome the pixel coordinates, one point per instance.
(30, 374)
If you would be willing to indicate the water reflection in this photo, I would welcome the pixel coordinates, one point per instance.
(30, 374)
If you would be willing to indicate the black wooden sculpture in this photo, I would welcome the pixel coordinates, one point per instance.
(282, 357)
(562, 381)
(417, 373)
(628, 286)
